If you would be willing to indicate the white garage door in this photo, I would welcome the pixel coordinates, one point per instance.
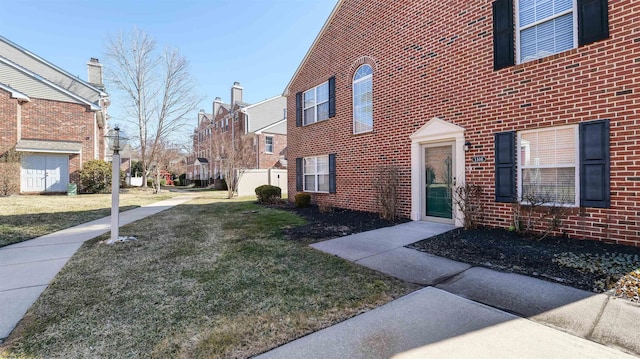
(44, 173)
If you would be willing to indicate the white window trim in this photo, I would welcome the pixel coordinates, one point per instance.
(266, 145)
(518, 29)
(316, 105)
(353, 101)
(576, 166)
(316, 174)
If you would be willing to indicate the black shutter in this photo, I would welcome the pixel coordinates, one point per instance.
(593, 21)
(299, 109)
(332, 96)
(503, 34)
(332, 173)
(594, 164)
(299, 187)
(505, 157)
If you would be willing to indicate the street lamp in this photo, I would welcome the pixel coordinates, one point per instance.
(116, 142)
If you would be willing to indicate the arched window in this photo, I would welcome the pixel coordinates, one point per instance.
(363, 99)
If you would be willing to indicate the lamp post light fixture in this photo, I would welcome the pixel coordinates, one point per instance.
(116, 142)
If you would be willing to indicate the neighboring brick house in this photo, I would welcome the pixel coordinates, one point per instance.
(54, 120)
(513, 95)
(265, 121)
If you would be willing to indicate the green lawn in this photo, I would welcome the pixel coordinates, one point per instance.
(211, 278)
(26, 217)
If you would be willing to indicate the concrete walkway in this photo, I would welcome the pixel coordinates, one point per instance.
(465, 311)
(27, 268)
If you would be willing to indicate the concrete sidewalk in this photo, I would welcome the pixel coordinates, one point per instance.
(467, 311)
(27, 268)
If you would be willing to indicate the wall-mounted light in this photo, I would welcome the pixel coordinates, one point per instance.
(467, 146)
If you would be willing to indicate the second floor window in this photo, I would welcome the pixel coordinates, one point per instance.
(268, 144)
(545, 28)
(316, 104)
(363, 99)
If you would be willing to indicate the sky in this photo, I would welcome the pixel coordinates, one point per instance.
(259, 43)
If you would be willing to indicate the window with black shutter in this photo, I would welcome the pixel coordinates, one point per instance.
(593, 21)
(541, 30)
(505, 166)
(299, 172)
(332, 96)
(332, 173)
(594, 164)
(502, 34)
(299, 109)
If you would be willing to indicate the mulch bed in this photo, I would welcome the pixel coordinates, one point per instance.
(583, 264)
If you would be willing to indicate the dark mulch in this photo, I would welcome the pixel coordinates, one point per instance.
(336, 222)
(504, 250)
(583, 264)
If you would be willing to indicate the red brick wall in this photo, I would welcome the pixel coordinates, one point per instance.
(8, 123)
(50, 120)
(437, 60)
(267, 160)
(59, 121)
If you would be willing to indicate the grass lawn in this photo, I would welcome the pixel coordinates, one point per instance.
(213, 279)
(26, 217)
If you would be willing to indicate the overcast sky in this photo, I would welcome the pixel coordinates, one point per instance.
(258, 43)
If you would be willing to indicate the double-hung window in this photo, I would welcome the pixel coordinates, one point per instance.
(316, 104)
(548, 165)
(268, 144)
(316, 174)
(545, 27)
(566, 165)
(363, 99)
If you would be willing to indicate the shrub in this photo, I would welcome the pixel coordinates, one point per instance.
(268, 194)
(386, 181)
(9, 173)
(9, 178)
(539, 213)
(468, 199)
(302, 199)
(95, 176)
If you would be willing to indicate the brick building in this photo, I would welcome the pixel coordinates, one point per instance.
(264, 121)
(517, 97)
(53, 120)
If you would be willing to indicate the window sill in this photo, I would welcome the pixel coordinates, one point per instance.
(313, 123)
(363, 133)
(523, 65)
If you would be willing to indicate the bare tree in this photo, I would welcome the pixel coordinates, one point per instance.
(234, 155)
(169, 159)
(157, 89)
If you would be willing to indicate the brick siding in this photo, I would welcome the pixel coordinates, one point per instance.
(436, 60)
(51, 120)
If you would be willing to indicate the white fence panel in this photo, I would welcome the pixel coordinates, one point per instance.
(254, 178)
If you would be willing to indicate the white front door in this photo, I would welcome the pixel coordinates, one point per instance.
(44, 173)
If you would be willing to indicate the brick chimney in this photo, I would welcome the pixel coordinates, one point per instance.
(236, 93)
(94, 71)
(217, 103)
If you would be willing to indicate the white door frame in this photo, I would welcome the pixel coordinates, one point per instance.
(423, 181)
(434, 131)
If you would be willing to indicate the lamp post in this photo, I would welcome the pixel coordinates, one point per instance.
(116, 142)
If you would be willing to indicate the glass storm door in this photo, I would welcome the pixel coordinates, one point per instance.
(438, 181)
